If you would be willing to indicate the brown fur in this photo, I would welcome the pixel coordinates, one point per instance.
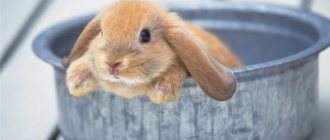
(215, 47)
(158, 67)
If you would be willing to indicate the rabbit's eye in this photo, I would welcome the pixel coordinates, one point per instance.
(145, 36)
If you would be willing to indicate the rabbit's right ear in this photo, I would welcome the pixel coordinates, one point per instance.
(214, 79)
(91, 30)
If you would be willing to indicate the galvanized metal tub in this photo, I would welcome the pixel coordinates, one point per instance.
(276, 97)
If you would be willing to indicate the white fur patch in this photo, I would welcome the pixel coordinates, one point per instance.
(159, 93)
(119, 79)
(125, 62)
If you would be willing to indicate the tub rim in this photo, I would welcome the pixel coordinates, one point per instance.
(43, 49)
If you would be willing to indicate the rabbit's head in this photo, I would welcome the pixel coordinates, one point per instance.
(126, 44)
(133, 41)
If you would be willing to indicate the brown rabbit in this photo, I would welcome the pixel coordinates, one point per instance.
(135, 47)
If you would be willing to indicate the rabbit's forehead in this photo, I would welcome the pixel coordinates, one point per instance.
(126, 22)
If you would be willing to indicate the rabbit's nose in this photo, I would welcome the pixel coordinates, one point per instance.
(114, 69)
(114, 65)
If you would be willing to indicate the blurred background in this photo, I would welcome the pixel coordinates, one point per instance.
(28, 101)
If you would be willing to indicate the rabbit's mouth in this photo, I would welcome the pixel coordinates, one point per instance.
(114, 72)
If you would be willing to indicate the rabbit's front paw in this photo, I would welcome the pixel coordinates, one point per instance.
(163, 93)
(167, 87)
(79, 79)
(80, 85)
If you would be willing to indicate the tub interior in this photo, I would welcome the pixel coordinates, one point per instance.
(254, 36)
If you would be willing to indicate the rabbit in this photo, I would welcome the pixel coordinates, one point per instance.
(137, 47)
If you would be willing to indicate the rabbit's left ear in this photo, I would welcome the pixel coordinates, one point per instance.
(214, 79)
(81, 45)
